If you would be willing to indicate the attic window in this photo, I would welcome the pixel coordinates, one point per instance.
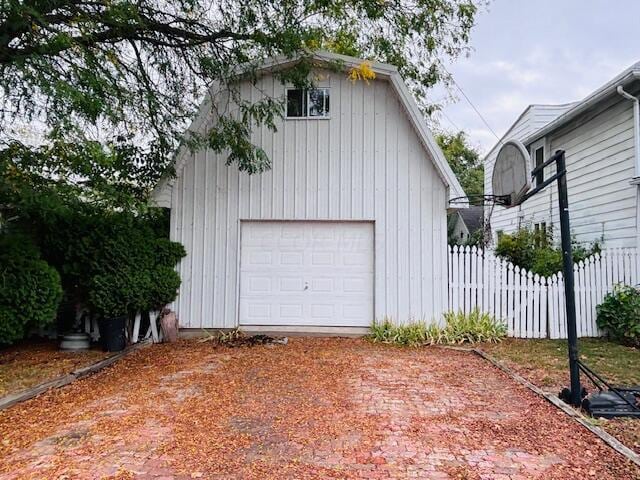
(308, 103)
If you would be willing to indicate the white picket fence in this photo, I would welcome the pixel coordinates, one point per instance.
(532, 305)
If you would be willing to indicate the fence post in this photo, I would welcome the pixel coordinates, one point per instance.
(454, 278)
(544, 307)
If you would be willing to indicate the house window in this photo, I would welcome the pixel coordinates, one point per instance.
(308, 103)
(539, 159)
(540, 234)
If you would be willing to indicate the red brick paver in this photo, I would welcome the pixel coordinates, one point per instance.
(315, 408)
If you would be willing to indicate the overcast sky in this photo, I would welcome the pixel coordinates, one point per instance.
(539, 51)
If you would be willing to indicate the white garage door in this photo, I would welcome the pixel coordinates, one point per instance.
(306, 273)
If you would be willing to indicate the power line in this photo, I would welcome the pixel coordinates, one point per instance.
(471, 103)
(449, 120)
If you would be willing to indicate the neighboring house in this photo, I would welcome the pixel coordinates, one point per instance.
(347, 226)
(464, 223)
(600, 136)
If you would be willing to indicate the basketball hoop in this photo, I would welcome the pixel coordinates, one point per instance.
(511, 178)
(510, 182)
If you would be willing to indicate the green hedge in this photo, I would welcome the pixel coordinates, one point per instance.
(114, 262)
(30, 289)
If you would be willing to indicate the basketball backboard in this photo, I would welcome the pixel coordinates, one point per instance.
(511, 173)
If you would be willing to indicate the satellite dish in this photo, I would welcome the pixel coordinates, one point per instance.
(511, 173)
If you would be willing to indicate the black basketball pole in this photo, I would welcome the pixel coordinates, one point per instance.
(567, 265)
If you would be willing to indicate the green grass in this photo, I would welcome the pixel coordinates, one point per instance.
(547, 359)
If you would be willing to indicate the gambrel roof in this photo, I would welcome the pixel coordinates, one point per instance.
(161, 194)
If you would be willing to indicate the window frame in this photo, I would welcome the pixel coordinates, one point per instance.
(535, 147)
(541, 232)
(308, 92)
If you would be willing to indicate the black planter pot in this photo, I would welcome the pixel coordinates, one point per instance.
(112, 333)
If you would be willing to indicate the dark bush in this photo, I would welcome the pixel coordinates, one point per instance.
(113, 262)
(619, 315)
(30, 289)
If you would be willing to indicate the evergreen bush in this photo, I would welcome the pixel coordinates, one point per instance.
(114, 262)
(30, 289)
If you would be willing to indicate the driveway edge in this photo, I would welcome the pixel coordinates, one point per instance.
(575, 414)
(61, 381)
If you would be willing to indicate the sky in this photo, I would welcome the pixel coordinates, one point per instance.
(537, 51)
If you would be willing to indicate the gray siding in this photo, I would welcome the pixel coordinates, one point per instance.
(364, 163)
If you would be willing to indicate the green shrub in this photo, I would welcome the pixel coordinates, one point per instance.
(546, 261)
(473, 327)
(412, 334)
(533, 251)
(619, 315)
(459, 328)
(113, 262)
(30, 289)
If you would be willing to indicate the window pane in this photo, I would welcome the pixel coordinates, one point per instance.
(318, 102)
(296, 103)
(539, 161)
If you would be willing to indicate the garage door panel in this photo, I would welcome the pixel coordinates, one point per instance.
(323, 259)
(292, 282)
(306, 273)
(294, 259)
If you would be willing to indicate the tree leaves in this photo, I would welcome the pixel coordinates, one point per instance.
(464, 161)
(130, 75)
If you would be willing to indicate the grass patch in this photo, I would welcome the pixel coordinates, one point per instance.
(548, 359)
(459, 328)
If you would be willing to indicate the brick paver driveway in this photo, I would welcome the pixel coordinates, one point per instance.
(315, 408)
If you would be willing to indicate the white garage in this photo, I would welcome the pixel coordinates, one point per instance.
(306, 273)
(348, 225)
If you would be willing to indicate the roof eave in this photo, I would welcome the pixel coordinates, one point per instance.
(584, 105)
(506, 135)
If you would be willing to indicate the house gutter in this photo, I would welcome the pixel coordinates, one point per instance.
(593, 99)
(636, 127)
(636, 178)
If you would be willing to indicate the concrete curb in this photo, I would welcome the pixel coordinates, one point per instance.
(15, 398)
(573, 413)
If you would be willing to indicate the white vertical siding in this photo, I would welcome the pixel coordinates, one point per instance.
(364, 163)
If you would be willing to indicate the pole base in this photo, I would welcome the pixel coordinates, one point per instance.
(566, 396)
(624, 402)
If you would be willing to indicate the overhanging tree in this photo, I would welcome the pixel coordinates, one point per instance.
(465, 162)
(114, 83)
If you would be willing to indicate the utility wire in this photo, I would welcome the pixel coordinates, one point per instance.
(471, 103)
(449, 120)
